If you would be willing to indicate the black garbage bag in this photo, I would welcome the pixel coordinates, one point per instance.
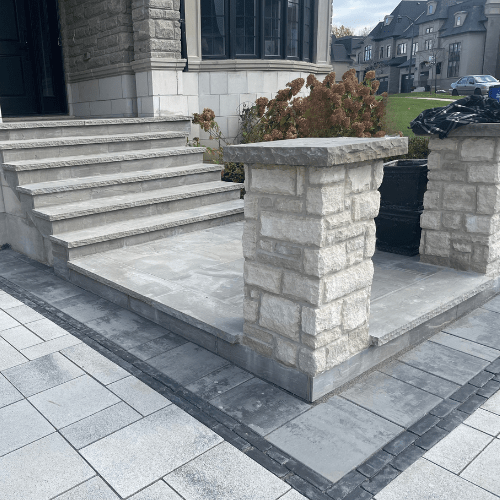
(471, 109)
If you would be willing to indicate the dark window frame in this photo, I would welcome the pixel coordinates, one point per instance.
(454, 51)
(367, 53)
(305, 47)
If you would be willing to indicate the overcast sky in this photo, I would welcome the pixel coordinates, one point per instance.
(357, 14)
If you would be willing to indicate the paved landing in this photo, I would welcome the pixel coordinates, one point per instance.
(75, 425)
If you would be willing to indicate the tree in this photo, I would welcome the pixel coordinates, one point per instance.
(365, 31)
(339, 31)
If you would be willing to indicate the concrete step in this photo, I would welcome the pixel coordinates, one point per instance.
(71, 146)
(52, 169)
(126, 207)
(75, 244)
(45, 194)
(45, 129)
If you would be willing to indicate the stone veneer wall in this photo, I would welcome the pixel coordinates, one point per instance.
(461, 219)
(308, 240)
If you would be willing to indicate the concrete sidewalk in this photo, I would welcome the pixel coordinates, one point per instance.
(74, 425)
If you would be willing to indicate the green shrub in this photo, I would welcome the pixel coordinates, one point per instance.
(418, 149)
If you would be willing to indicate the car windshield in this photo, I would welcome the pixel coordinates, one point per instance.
(485, 79)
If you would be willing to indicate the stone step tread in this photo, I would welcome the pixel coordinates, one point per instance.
(77, 183)
(88, 139)
(90, 122)
(129, 200)
(143, 225)
(69, 161)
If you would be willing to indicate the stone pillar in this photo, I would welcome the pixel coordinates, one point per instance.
(308, 241)
(461, 219)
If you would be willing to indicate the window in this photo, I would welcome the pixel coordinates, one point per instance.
(414, 48)
(458, 21)
(277, 29)
(359, 57)
(388, 51)
(454, 59)
(428, 44)
(429, 30)
(381, 55)
(430, 9)
(401, 48)
(368, 53)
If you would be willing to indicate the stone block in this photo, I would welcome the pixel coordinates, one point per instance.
(322, 175)
(276, 180)
(488, 199)
(346, 232)
(359, 339)
(251, 206)
(237, 82)
(303, 230)
(299, 287)
(249, 239)
(325, 200)
(312, 362)
(359, 179)
(437, 243)
(378, 174)
(462, 246)
(449, 144)
(289, 205)
(349, 280)
(286, 352)
(370, 240)
(280, 315)
(365, 206)
(484, 173)
(318, 262)
(432, 200)
(336, 220)
(459, 197)
(265, 277)
(301, 181)
(250, 310)
(430, 220)
(337, 351)
(356, 309)
(452, 220)
(318, 319)
(321, 339)
(483, 224)
(477, 149)
(434, 160)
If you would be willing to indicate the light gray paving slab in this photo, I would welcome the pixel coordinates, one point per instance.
(219, 382)
(187, 363)
(126, 328)
(457, 450)
(21, 425)
(42, 374)
(8, 393)
(493, 404)
(424, 480)
(9, 356)
(93, 489)
(69, 402)
(444, 362)
(484, 470)
(7, 321)
(464, 345)
(480, 326)
(261, 406)
(484, 421)
(157, 491)
(24, 314)
(7, 301)
(333, 438)
(493, 304)
(101, 368)
(86, 306)
(391, 398)
(39, 350)
(138, 395)
(225, 473)
(136, 456)
(99, 425)
(20, 337)
(42, 470)
(423, 380)
(46, 329)
(293, 495)
(157, 346)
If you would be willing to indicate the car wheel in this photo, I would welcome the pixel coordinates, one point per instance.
(477, 91)
(454, 92)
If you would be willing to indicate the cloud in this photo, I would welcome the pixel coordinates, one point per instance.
(357, 14)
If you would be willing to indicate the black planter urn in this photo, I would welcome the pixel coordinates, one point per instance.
(401, 204)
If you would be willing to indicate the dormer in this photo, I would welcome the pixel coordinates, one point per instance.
(431, 8)
(460, 18)
(388, 20)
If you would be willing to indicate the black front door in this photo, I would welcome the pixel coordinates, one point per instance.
(406, 83)
(31, 76)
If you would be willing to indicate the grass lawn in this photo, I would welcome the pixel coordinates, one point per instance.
(424, 94)
(402, 110)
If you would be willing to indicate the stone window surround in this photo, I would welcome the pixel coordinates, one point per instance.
(460, 18)
(431, 8)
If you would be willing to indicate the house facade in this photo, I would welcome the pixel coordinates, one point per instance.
(147, 58)
(431, 44)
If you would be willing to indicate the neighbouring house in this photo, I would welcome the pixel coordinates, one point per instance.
(341, 49)
(127, 58)
(446, 38)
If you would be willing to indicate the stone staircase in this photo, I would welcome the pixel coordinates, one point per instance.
(89, 186)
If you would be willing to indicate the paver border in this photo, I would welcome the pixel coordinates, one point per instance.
(362, 483)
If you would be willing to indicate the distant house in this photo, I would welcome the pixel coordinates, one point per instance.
(341, 51)
(422, 44)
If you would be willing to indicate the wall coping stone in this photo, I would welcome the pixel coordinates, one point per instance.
(474, 130)
(317, 152)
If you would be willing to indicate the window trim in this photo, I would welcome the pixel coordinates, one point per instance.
(367, 50)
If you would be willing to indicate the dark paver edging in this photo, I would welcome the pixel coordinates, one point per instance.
(360, 484)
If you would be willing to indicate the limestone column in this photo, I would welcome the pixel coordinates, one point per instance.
(308, 240)
(461, 219)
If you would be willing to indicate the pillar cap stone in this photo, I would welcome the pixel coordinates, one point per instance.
(476, 130)
(317, 152)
